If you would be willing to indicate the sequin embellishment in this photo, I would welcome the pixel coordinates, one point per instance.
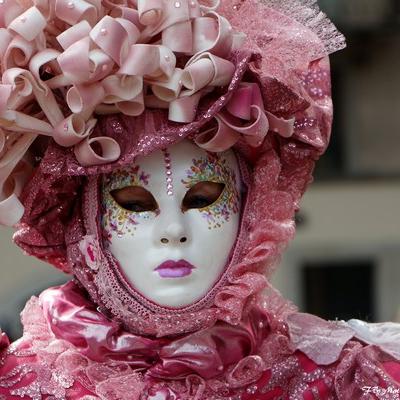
(168, 172)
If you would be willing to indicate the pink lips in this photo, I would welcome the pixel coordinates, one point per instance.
(174, 269)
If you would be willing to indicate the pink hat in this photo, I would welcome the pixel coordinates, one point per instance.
(111, 81)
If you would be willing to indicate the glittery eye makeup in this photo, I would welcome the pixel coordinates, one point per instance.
(126, 202)
(222, 199)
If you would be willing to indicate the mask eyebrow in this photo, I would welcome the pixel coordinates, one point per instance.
(120, 178)
(212, 167)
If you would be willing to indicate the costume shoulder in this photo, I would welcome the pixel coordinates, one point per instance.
(38, 366)
(366, 356)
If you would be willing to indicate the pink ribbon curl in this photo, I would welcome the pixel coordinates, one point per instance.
(104, 53)
(243, 117)
(14, 172)
(196, 386)
(107, 57)
(247, 371)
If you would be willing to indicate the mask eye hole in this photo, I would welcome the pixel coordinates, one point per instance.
(202, 195)
(135, 199)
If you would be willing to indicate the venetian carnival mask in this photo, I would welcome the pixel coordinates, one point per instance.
(171, 220)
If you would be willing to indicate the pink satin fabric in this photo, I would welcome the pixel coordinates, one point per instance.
(74, 318)
(4, 342)
(72, 351)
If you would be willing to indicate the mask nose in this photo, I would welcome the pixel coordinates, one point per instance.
(174, 233)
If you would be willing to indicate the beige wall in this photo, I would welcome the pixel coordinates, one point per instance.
(17, 269)
(21, 276)
(347, 221)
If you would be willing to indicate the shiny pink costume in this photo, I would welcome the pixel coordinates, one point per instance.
(268, 98)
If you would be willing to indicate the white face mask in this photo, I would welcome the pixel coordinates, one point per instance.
(171, 220)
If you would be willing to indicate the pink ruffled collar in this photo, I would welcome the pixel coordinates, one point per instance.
(72, 317)
(208, 353)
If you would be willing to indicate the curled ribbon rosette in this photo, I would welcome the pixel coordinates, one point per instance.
(67, 61)
(244, 116)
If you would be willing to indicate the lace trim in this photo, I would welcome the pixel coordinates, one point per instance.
(308, 13)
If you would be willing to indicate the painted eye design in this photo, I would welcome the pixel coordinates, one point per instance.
(135, 199)
(202, 195)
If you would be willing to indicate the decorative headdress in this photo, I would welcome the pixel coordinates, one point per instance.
(107, 81)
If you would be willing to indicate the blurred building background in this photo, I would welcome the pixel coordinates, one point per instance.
(345, 261)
